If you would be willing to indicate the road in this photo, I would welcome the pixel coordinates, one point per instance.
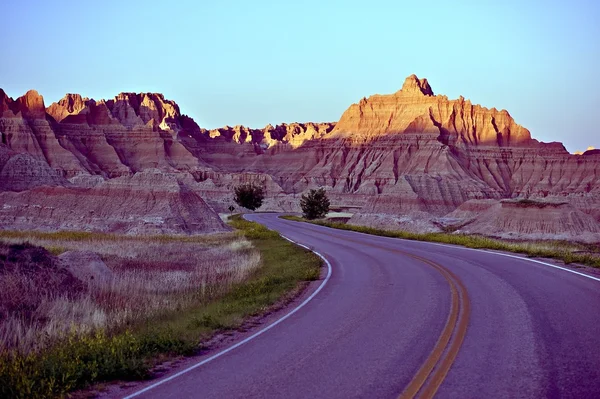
(403, 318)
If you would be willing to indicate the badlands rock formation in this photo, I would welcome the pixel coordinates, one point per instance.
(412, 159)
(582, 152)
(150, 202)
(21, 171)
(88, 142)
(415, 109)
(538, 220)
(294, 134)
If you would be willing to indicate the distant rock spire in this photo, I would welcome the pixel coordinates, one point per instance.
(31, 105)
(414, 85)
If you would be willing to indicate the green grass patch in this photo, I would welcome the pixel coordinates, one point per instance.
(526, 202)
(566, 252)
(78, 361)
(74, 362)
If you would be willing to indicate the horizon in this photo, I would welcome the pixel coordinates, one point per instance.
(269, 63)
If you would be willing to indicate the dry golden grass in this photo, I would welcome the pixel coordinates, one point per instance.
(150, 276)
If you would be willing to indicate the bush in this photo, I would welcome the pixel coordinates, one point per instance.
(249, 195)
(315, 204)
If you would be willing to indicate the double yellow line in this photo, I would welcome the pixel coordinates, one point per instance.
(432, 373)
(430, 376)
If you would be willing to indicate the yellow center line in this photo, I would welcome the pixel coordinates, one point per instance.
(438, 377)
(429, 378)
(438, 350)
(442, 355)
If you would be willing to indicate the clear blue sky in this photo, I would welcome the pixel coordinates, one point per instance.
(258, 62)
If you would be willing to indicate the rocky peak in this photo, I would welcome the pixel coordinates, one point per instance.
(414, 85)
(293, 134)
(5, 104)
(415, 110)
(127, 108)
(145, 108)
(31, 105)
(70, 104)
(3, 97)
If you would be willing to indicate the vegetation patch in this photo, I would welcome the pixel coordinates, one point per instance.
(315, 204)
(249, 195)
(560, 250)
(182, 315)
(530, 203)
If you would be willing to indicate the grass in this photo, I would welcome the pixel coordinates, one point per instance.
(79, 357)
(41, 301)
(564, 251)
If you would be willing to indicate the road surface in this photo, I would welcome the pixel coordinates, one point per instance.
(403, 319)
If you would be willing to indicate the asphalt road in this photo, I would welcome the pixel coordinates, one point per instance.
(402, 319)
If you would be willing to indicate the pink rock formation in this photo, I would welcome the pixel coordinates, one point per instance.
(414, 85)
(5, 105)
(294, 134)
(535, 220)
(71, 104)
(150, 202)
(127, 109)
(24, 128)
(30, 106)
(411, 157)
(127, 134)
(21, 171)
(414, 109)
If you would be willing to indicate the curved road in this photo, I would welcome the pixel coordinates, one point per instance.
(403, 318)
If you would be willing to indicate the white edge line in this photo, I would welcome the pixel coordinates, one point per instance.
(250, 338)
(530, 260)
(474, 249)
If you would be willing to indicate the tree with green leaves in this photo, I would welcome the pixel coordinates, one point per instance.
(315, 204)
(249, 195)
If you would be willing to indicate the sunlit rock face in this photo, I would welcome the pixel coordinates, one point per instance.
(412, 159)
(415, 109)
(430, 152)
(293, 134)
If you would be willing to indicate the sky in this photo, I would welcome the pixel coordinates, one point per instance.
(259, 62)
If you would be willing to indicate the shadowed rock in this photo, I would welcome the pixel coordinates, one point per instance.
(87, 267)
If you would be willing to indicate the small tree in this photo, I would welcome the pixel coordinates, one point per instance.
(249, 195)
(315, 204)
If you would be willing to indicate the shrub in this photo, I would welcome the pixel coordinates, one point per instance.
(249, 195)
(315, 204)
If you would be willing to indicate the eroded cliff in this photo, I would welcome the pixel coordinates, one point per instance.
(411, 157)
